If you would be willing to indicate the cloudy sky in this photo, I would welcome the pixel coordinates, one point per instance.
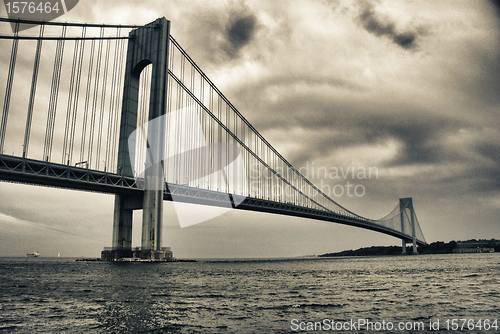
(409, 87)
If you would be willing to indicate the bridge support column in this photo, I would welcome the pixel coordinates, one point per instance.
(413, 234)
(122, 226)
(402, 206)
(407, 203)
(152, 219)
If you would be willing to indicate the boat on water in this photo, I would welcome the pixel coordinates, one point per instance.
(35, 254)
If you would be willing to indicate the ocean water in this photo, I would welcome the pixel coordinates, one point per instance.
(39, 295)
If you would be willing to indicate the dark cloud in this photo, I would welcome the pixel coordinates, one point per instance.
(420, 137)
(484, 83)
(482, 173)
(486, 180)
(382, 26)
(490, 151)
(239, 32)
(496, 3)
(215, 36)
(335, 125)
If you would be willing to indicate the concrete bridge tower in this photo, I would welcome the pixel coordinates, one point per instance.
(147, 45)
(407, 203)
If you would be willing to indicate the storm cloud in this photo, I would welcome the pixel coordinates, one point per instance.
(383, 26)
(218, 35)
(239, 32)
(496, 3)
(336, 86)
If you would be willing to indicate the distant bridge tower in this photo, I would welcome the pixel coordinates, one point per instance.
(147, 45)
(407, 203)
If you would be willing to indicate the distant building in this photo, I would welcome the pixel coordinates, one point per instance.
(474, 250)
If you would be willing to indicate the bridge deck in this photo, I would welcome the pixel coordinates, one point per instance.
(15, 169)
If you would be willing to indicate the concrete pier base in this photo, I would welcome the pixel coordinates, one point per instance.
(137, 254)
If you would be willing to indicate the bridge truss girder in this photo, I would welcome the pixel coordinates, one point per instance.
(16, 169)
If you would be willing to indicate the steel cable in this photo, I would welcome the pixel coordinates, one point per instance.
(74, 69)
(103, 101)
(8, 89)
(95, 97)
(31, 103)
(56, 79)
(112, 110)
(86, 105)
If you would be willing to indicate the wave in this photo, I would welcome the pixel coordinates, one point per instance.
(370, 290)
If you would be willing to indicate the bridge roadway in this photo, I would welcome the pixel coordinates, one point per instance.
(36, 172)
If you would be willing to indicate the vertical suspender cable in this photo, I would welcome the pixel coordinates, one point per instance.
(236, 165)
(70, 96)
(191, 137)
(168, 127)
(119, 84)
(201, 161)
(111, 113)
(178, 139)
(74, 90)
(56, 79)
(182, 124)
(113, 105)
(77, 97)
(103, 101)
(95, 97)
(226, 163)
(86, 107)
(219, 140)
(210, 136)
(8, 89)
(111, 110)
(31, 103)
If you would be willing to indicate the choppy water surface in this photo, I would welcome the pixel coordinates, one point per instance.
(61, 295)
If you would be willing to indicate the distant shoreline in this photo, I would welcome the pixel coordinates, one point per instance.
(438, 247)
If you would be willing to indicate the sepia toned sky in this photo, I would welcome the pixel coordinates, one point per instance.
(410, 88)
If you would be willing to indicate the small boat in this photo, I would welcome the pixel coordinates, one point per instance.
(35, 254)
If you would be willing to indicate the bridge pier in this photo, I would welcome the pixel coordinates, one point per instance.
(122, 227)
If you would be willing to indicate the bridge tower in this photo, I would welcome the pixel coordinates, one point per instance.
(407, 203)
(147, 45)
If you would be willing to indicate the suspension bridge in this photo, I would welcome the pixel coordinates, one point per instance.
(124, 110)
